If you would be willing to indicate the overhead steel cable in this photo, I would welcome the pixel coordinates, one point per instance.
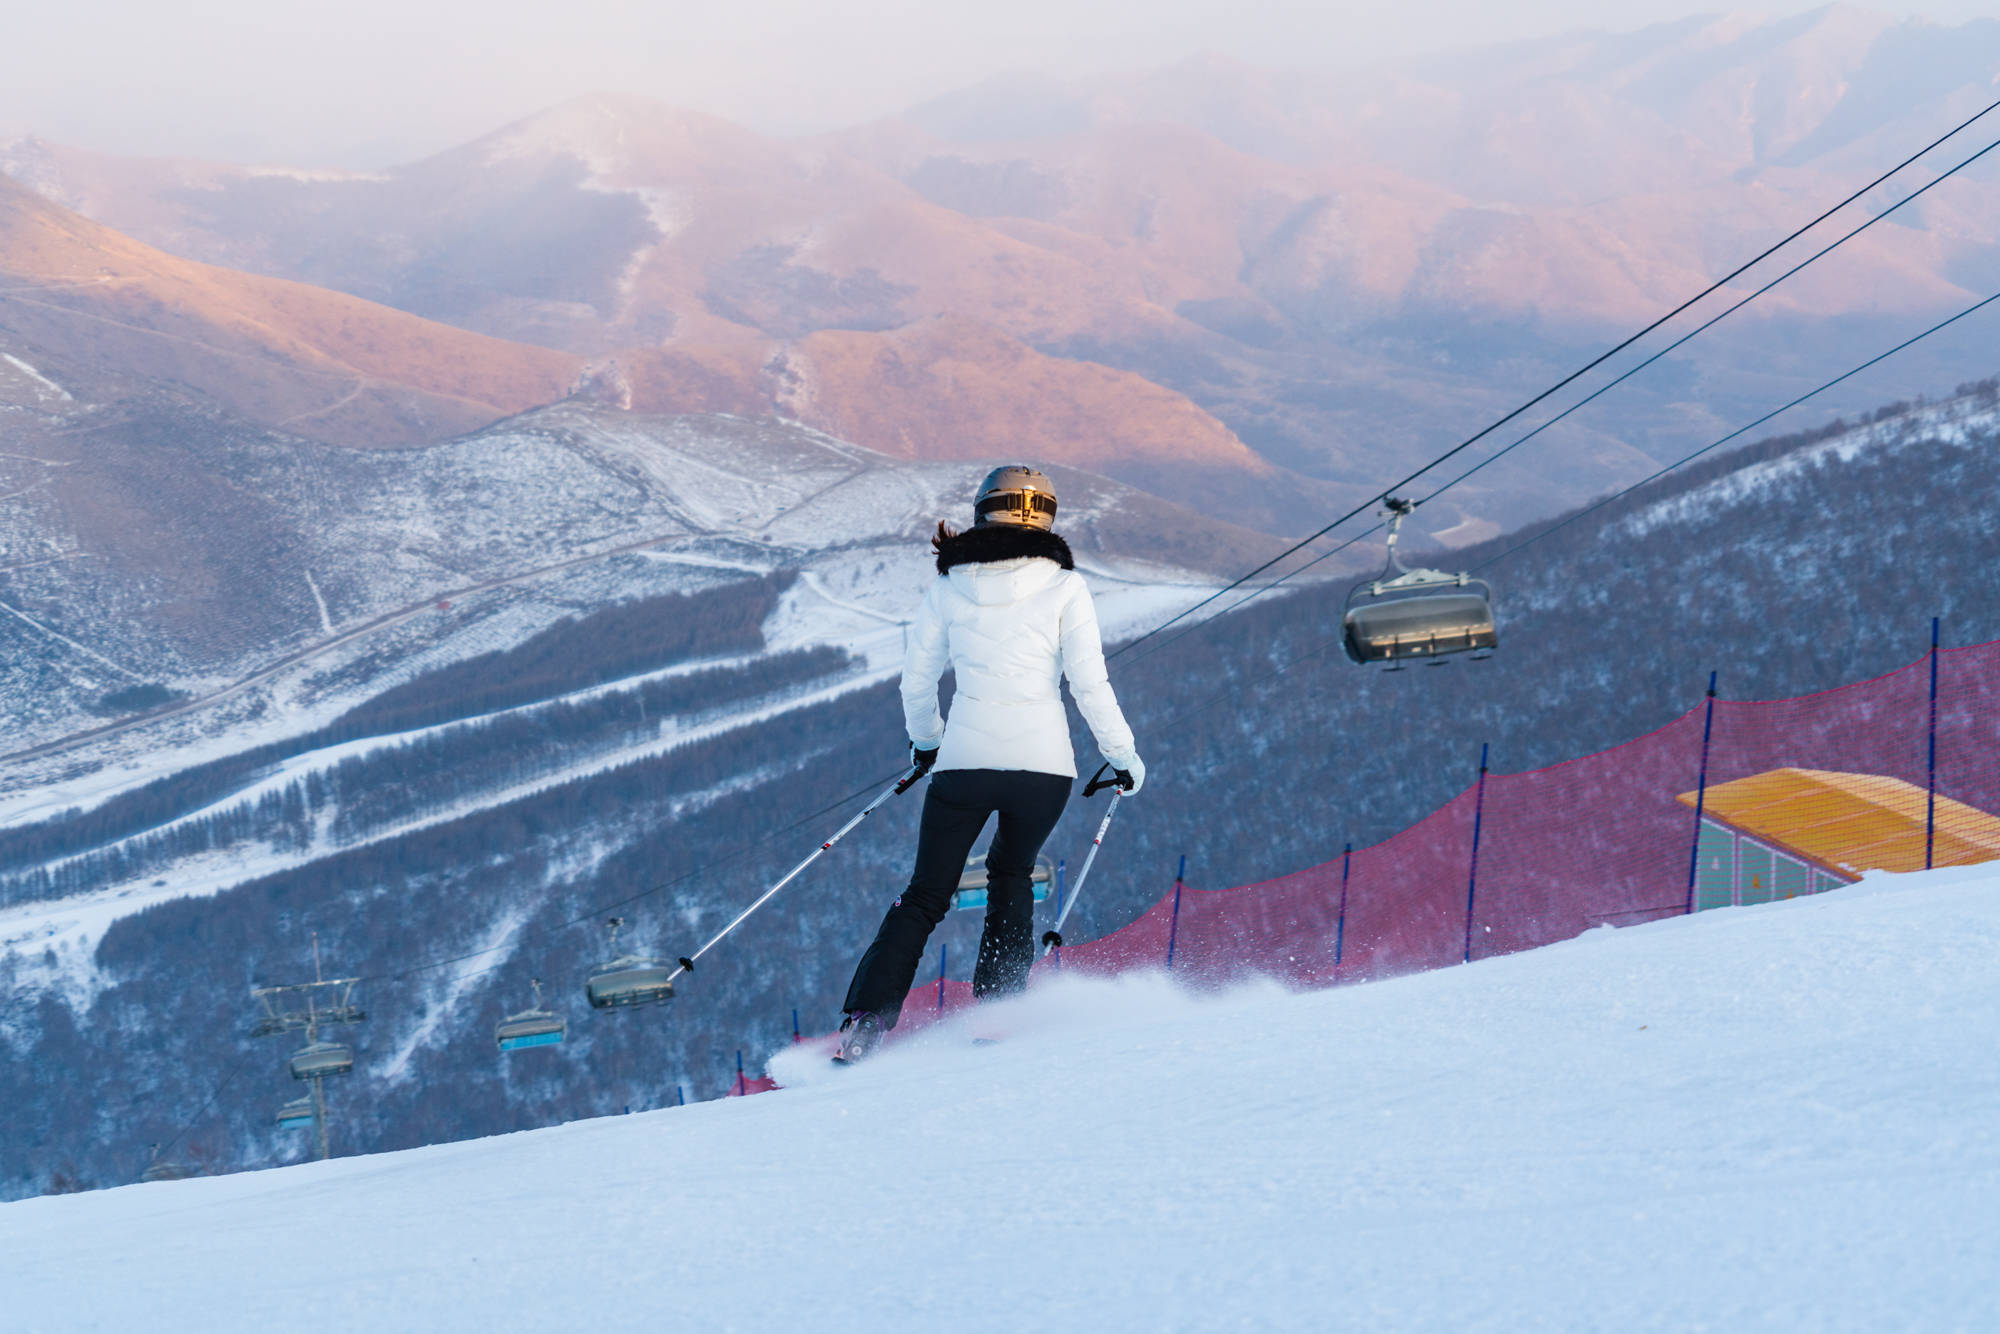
(1713, 321)
(1235, 690)
(1561, 384)
(1595, 394)
(1739, 432)
(214, 1093)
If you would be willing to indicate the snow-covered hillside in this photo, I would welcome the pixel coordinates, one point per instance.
(1777, 1117)
(336, 573)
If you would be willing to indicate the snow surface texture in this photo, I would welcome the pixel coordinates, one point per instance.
(1773, 1117)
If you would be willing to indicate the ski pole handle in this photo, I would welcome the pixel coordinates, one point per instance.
(909, 779)
(1098, 782)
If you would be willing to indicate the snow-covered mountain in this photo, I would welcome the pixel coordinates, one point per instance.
(1254, 290)
(1753, 1119)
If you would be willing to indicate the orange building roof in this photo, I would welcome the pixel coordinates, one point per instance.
(1851, 822)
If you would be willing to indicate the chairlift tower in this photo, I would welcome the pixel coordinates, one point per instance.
(306, 1007)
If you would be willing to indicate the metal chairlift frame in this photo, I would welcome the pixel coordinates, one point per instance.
(539, 1027)
(628, 963)
(342, 1064)
(328, 1000)
(1396, 578)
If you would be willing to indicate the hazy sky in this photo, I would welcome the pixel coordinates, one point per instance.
(369, 82)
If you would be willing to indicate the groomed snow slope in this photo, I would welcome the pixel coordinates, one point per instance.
(1779, 1117)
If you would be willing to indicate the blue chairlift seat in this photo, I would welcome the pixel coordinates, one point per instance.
(530, 1028)
(971, 891)
(297, 1114)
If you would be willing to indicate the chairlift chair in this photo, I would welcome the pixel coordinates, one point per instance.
(321, 1060)
(535, 1027)
(971, 891)
(296, 1114)
(1402, 613)
(629, 979)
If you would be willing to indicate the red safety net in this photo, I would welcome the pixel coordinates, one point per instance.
(1796, 796)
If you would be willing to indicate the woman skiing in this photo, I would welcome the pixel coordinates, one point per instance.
(1012, 618)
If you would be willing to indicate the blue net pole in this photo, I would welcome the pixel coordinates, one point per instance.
(1472, 876)
(1930, 764)
(944, 954)
(1340, 918)
(1174, 923)
(1701, 792)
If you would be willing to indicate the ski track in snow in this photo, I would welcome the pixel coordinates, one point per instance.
(1764, 1118)
(319, 601)
(498, 937)
(87, 651)
(44, 381)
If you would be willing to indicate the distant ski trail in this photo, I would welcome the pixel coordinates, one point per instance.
(325, 621)
(87, 651)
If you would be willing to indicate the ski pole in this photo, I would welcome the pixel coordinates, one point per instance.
(897, 789)
(1052, 938)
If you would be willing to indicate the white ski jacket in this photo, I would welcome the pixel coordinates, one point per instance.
(1011, 630)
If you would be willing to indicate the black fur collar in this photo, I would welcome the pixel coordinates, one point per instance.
(1001, 541)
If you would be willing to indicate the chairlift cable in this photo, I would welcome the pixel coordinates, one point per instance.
(214, 1093)
(1560, 385)
(1592, 508)
(1236, 689)
(1703, 328)
(1590, 398)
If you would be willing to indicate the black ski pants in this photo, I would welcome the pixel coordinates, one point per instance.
(956, 807)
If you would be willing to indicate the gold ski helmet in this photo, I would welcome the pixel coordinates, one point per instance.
(1016, 494)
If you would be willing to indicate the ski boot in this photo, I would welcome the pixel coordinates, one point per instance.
(860, 1034)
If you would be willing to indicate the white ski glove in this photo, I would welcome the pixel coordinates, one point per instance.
(1131, 771)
